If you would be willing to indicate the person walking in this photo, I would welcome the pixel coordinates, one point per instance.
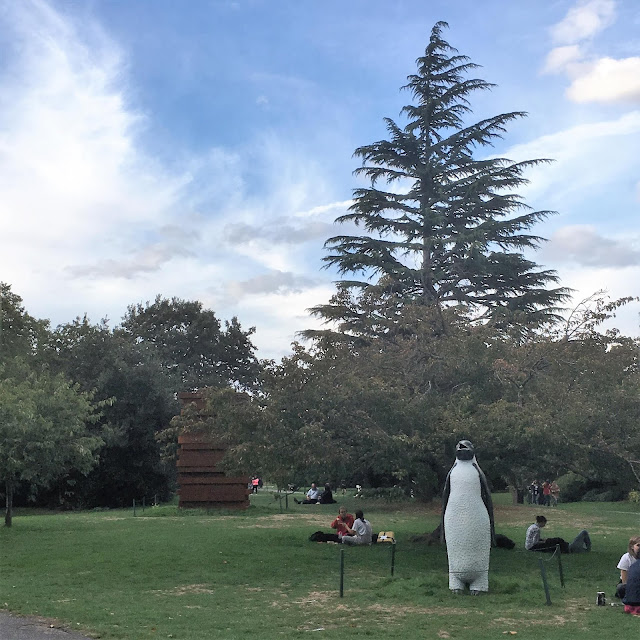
(555, 493)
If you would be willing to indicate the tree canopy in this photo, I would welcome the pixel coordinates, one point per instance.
(43, 430)
(190, 344)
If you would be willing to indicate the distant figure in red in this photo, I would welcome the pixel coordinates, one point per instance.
(255, 484)
(342, 522)
(546, 493)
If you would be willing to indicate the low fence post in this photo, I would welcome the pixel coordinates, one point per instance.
(543, 573)
(560, 571)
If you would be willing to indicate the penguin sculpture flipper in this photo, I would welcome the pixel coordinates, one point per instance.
(445, 500)
(488, 502)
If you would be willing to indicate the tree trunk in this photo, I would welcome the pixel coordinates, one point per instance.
(9, 512)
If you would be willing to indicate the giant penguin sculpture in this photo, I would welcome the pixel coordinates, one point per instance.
(467, 522)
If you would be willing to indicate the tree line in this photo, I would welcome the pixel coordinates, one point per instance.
(81, 405)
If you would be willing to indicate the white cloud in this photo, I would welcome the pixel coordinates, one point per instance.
(592, 78)
(69, 170)
(586, 281)
(608, 80)
(90, 223)
(584, 20)
(560, 58)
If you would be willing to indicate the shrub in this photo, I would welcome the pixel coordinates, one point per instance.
(390, 494)
(634, 496)
(598, 495)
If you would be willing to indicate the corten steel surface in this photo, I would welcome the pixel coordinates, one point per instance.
(202, 484)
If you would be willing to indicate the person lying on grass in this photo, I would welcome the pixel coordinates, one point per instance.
(360, 533)
(533, 541)
(633, 550)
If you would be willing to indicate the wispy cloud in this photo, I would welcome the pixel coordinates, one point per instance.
(90, 222)
(576, 174)
(271, 282)
(586, 246)
(279, 231)
(584, 20)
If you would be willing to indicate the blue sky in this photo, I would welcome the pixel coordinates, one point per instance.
(203, 149)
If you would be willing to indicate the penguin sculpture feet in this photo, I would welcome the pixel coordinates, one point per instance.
(457, 592)
(475, 592)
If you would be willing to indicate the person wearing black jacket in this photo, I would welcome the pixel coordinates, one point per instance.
(326, 497)
(632, 595)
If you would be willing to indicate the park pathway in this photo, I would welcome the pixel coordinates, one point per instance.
(33, 628)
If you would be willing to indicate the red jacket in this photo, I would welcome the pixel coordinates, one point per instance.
(339, 524)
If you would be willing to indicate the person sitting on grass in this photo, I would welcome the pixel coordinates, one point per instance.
(360, 533)
(313, 495)
(326, 497)
(629, 558)
(632, 596)
(533, 541)
(342, 522)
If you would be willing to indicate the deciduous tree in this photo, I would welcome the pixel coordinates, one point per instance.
(191, 345)
(43, 430)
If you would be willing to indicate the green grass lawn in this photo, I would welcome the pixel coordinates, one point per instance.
(165, 574)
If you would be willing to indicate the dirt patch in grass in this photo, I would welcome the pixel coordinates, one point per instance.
(184, 590)
(315, 597)
(403, 610)
(549, 621)
(278, 521)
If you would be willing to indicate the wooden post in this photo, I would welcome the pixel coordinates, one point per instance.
(393, 557)
(341, 573)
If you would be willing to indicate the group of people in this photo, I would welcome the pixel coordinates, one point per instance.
(349, 530)
(316, 496)
(352, 530)
(545, 493)
(628, 589)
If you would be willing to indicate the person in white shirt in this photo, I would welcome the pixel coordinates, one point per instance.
(360, 533)
(313, 495)
(533, 541)
(633, 552)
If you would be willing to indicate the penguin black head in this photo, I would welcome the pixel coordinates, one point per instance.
(465, 450)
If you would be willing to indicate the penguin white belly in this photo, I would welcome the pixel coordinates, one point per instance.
(467, 530)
